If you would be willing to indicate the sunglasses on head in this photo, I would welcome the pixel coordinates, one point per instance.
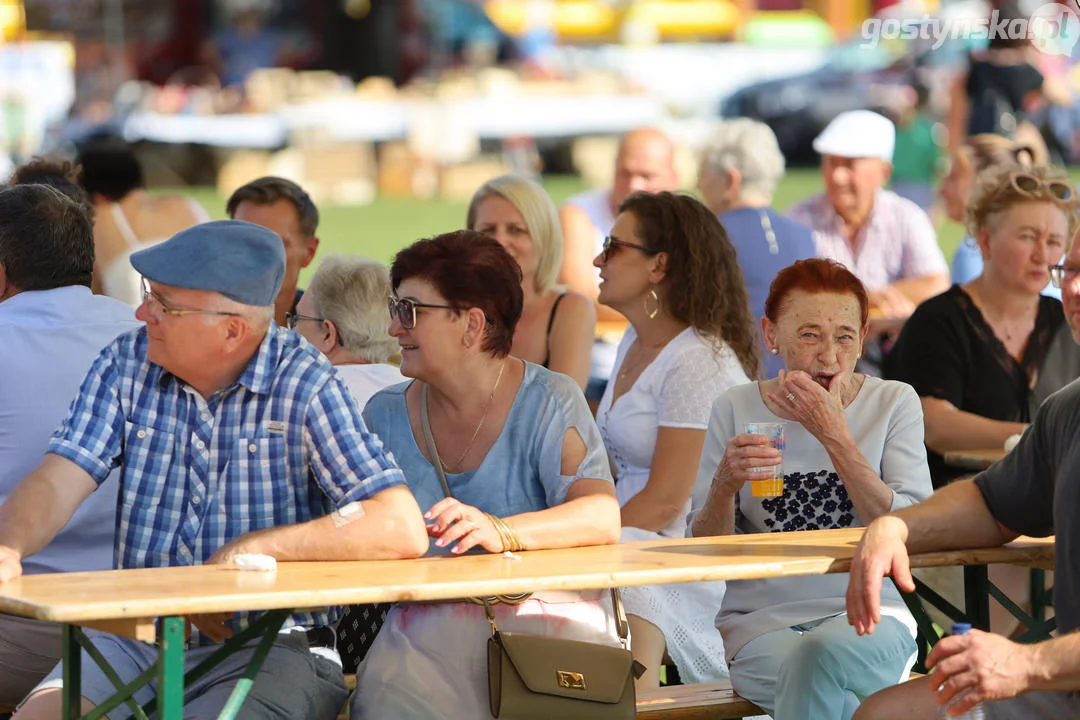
(404, 310)
(1032, 185)
(610, 245)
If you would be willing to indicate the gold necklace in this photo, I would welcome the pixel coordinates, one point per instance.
(476, 432)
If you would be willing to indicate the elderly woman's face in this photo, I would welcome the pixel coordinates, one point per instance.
(1019, 243)
(818, 333)
(850, 184)
(497, 218)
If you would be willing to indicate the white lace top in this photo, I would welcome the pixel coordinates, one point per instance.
(676, 390)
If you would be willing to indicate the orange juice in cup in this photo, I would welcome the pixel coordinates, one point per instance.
(771, 482)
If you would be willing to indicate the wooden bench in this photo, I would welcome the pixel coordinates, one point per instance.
(700, 701)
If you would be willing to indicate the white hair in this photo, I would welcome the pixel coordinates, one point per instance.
(751, 148)
(350, 291)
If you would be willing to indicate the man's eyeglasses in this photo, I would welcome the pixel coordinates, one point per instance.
(404, 310)
(1062, 275)
(610, 244)
(157, 304)
(1027, 184)
(292, 318)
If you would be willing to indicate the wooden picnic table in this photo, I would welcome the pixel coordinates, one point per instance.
(150, 604)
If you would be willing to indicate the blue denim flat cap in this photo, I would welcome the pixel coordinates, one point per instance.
(242, 261)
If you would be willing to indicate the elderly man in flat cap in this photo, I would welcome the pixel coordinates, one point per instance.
(887, 241)
(233, 436)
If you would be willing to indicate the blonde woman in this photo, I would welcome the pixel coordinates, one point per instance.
(557, 325)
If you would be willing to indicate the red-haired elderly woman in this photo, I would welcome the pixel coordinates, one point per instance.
(523, 464)
(853, 452)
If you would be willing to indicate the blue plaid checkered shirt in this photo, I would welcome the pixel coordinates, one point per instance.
(284, 444)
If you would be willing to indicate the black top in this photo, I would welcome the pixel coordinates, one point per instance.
(551, 322)
(1014, 82)
(948, 351)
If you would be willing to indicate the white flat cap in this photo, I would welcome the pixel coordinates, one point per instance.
(856, 134)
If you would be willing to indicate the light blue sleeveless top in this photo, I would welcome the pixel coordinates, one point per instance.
(522, 471)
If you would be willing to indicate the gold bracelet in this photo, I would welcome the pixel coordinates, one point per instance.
(499, 525)
(510, 539)
(515, 542)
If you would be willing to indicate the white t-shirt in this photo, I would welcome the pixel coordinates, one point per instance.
(364, 381)
(676, 390)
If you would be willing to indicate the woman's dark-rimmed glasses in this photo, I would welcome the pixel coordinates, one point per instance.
(1062, 275)
(292, 318)
(404, 310)
(610, 244)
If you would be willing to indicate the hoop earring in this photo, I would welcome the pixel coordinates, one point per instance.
(656, 298)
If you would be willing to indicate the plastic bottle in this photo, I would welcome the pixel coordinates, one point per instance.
(975, 713)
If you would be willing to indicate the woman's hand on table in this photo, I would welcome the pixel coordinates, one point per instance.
(450, 521)
(745, 458)
(818, 410)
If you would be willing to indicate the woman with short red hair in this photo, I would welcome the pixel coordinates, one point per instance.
(501, 454)
(852, 451)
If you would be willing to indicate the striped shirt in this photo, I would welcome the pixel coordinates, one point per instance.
(897, 241)
(284, 444)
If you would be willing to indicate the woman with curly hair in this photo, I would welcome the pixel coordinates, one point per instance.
(669, 267)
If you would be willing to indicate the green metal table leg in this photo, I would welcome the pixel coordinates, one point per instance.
(243, 685)
(72, 659)
(170, 679)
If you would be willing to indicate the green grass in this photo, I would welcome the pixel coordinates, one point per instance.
(382, 228)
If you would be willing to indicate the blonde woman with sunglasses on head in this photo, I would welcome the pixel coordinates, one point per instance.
(975, 352)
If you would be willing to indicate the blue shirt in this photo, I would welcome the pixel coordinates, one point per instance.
(760, 259)
(522, 472)
(967, 264)
(48, 340)
(284, 444)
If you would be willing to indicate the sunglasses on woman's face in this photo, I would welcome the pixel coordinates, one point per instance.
(611, 244)
(1031, 185)
(404, 310)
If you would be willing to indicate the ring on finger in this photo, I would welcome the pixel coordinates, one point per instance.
(791, 397)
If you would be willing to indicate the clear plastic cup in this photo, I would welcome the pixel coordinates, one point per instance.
(771, 482)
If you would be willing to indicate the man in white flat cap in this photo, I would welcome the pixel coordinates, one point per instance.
(887, 241)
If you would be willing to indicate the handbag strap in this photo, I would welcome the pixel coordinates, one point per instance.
(621, 623)
(425, 425)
